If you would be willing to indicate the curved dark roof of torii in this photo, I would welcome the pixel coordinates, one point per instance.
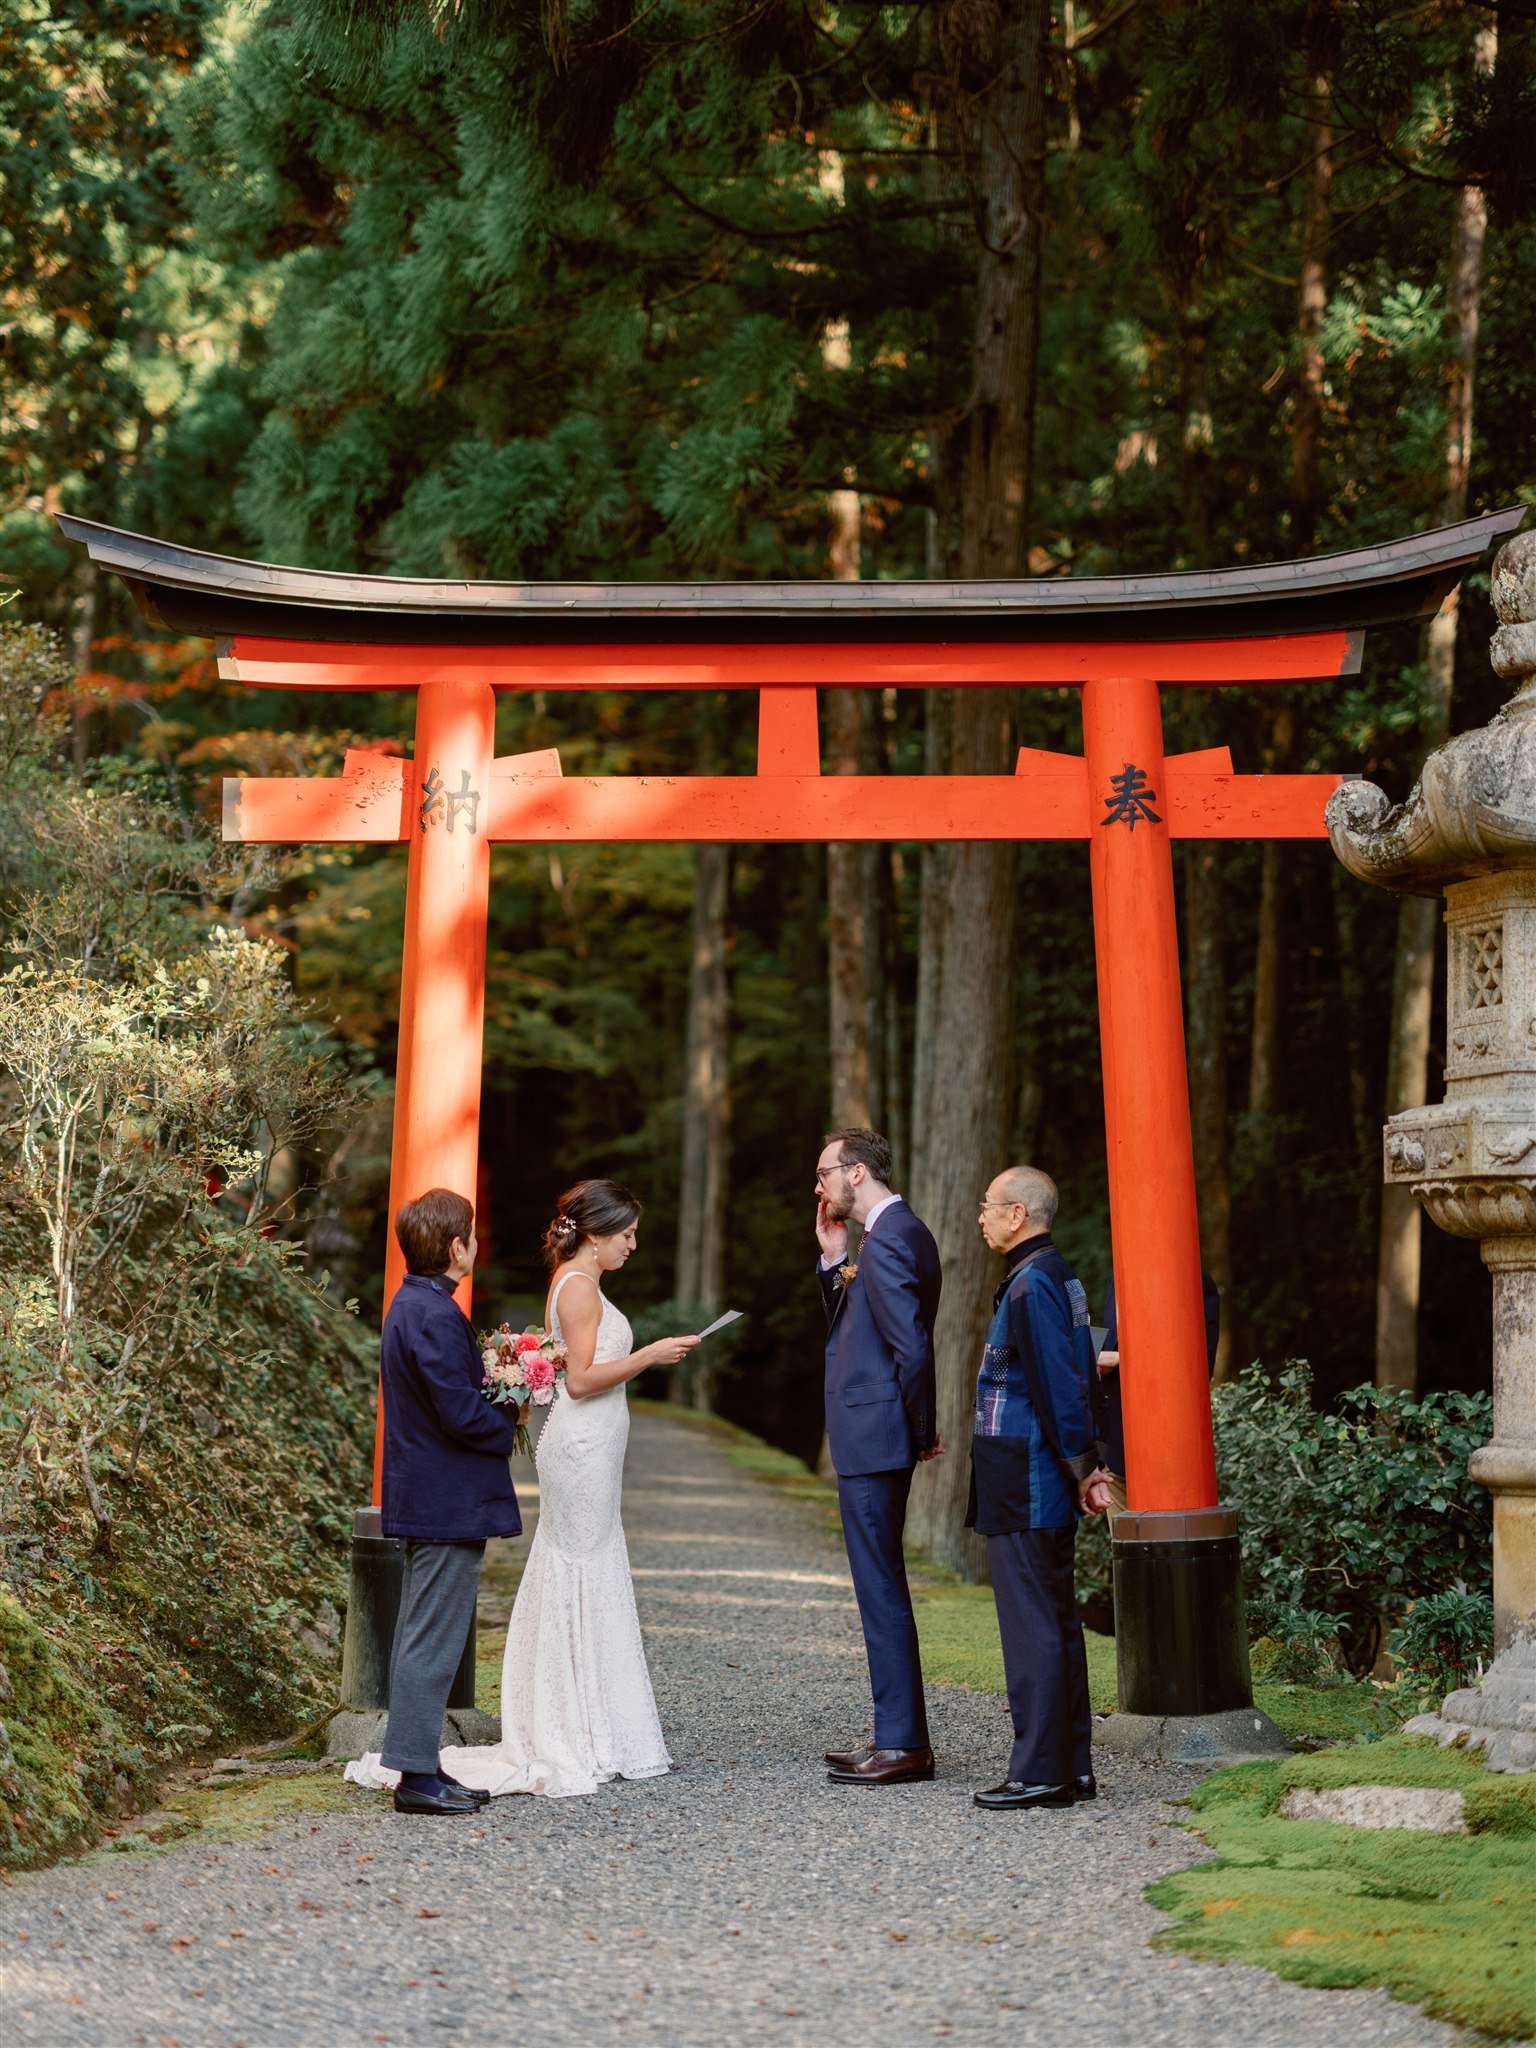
(187, 591)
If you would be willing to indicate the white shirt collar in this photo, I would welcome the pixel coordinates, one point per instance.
(879, 1210)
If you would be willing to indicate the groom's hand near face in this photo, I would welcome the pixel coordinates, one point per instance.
(831, 1234)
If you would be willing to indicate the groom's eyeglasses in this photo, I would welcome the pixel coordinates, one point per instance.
(826, 1172)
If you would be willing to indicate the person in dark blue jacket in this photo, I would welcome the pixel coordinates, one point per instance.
(1034, 1470)
(446, 1489)
(882, 1419)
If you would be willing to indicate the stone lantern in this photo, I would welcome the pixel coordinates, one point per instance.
(1468, 831)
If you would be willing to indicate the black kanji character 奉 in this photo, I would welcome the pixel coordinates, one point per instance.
(1131, 797)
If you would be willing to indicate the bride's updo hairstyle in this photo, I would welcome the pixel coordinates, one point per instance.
(593, 1208)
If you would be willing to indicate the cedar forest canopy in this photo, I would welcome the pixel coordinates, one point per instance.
(369, 291)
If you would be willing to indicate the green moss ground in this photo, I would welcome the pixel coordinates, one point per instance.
(1442, 1920)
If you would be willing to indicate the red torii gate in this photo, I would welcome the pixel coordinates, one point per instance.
(1120, 640)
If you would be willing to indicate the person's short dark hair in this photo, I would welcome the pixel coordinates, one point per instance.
(866, 1148)
(592, 1208)
(427, 1227)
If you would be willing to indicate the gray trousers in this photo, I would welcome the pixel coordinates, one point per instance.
(437, 1601)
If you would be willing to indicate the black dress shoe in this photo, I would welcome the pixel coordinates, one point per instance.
(1011, 1795)
(888, 1767)
(484, 1798)
(847, 1759)
(1086, 1787)
(449, 1800)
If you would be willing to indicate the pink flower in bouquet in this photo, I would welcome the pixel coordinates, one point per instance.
(525, 1341)
(542, 1396)
(538, 1372)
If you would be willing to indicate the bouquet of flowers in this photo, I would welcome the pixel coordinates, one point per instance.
(521, 1366)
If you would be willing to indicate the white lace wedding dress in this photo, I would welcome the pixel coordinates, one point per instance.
(576, 1701)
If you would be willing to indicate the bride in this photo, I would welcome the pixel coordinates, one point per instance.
(576, 1702)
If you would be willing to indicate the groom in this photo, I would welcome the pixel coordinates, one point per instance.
(446, 1489)
(881, 1421)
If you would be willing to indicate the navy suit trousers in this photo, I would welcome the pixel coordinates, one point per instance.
(1043, 1656)
(874, 1511)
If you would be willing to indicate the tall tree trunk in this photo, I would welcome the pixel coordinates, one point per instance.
(1352, 1007)
(1319, 37)
(1268, 999)
(1206, 1004)
(1205, 994)
(855, 940)
(87, 610)
(1418, 920)
(1319, 54)
(705, 1181)
(853, 934)
(967, 1099)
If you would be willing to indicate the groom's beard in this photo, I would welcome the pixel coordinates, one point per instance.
(839, 1211)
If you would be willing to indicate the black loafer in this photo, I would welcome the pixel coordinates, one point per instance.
(484, 1798)
(445, 1801)
(1010, 1796)
(1086, 1787)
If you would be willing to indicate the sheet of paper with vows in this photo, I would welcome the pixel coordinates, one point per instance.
(732, 1315)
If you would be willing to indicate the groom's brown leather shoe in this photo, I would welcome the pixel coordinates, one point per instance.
(888, 1767)
(846, 1759)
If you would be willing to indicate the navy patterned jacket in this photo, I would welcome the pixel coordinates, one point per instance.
(1034, 1433)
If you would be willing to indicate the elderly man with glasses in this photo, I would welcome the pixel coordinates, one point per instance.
(1034, 1470)
(881, 1422)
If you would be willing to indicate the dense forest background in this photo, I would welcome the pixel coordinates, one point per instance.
(1044, 287)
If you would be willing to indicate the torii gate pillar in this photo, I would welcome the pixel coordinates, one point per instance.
(437, 1092)
(1181, 1647)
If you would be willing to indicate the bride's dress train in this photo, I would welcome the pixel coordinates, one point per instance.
(576, 1701)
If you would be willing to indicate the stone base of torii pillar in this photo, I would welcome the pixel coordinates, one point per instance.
(1468, 830)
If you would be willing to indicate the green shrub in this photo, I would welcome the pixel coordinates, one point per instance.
(1293, 1645)
(184, 1415)
(1357, 1510)
(1443, 1643)
(1345, 1515)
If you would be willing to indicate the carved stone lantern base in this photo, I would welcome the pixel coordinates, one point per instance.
(1498, 1719)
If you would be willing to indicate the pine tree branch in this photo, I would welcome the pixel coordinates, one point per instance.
(838, 225)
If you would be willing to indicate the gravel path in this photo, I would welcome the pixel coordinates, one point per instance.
(740, 1900)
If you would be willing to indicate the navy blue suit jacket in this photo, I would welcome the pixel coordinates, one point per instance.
(445, 1446)
(881, 1394)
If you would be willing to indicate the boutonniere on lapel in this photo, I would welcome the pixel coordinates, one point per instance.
(846, 1275)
